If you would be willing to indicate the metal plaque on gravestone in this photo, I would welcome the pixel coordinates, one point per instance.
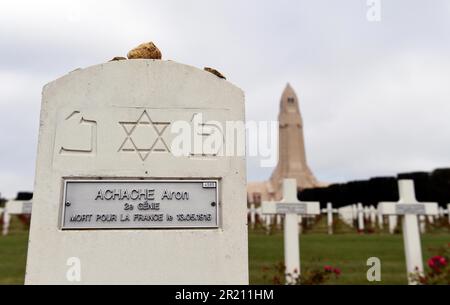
(413, 209)
(142, 204)
(291, 208)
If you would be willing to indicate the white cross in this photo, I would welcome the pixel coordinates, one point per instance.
(366, 213)
(329, 211)
(347, 214)
(252, 212)
(360, 217)
(14, 207)
(373, 216)
(354, 213)
(392, 221)
(410, 208)
(291, 207)
(380, 219)
(422, 224)
(448, 212)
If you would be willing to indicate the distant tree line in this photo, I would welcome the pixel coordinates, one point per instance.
(23, 196)
(429, 187)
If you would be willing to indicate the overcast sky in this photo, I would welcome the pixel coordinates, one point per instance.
(375, 96)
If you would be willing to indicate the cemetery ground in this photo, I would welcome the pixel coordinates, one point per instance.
(346, 250)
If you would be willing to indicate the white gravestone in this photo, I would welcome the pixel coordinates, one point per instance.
(393, 221)
(279, 221)
(268, 221)
(448, 212)
(367, 213)
(354, 213)
(360, 217)
(300, 223)
(380, 218)
(14, 207)
(410, 208)
(258, 216)
(122, 194)
(346, 214)
(291, 207)
(373, 216)
(423, 224)
(252, 212)
(330, 211)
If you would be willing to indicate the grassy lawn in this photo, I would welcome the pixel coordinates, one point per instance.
(346, 250)
(13, 254)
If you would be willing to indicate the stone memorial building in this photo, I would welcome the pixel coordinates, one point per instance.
(292, 161)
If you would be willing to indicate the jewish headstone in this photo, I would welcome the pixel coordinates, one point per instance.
(126, 189)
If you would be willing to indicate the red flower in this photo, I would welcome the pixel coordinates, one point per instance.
(337, 271)
(437, 262)
(328, 269)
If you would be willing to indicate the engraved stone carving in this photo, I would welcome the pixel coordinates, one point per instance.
(144, 136)
(80, 135)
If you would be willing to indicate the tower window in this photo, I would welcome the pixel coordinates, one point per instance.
(291, 100)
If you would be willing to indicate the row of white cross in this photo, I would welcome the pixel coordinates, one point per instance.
(407, 207)
(13, 207)
(353, 215)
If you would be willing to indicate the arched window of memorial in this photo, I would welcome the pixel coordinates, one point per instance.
(291, 100)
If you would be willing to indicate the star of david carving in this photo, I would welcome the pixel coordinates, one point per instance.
(144, 136)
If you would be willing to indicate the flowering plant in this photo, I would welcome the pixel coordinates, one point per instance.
(438, 272)
(307, 277)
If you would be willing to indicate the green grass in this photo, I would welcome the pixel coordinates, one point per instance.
(346, 250)
(13, 254)
(349, 252)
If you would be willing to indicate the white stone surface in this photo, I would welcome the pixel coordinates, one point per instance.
(279, 221)
(81, 134)
(448, 212)
(423, 224)
(252, 215)
(268, 221)
(392, 222)
(348, 214)
(354, 212)
(380, 218)
(366, 213)
(373, 216)
(330, 211)
(360, 217)
(300, 224)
